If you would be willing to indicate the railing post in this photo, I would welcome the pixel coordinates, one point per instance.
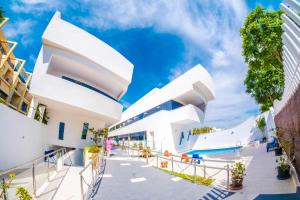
(204, 170)
(172, 158)
(227, 176)
(33, 179)
(81, 188)
(147, 161)
(92, 174)
(4, 190)
(48, 168)
(195, 172)
(157, 159)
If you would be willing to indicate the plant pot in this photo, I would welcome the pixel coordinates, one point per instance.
(278, 151)
(236, 184)
(282, 175)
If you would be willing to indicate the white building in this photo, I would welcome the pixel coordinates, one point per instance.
(80, 80)
(164, 117)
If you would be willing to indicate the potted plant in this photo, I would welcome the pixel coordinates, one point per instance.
(146, 152)
(283, 168)
(278, 151)
(237, 175)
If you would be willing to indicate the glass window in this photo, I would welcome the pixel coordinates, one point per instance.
(181, 138)
(190, 133)
(85, 129)
(61, 131)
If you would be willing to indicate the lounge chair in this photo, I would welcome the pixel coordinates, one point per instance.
(185, 158)
(167, 153)
(273, 144)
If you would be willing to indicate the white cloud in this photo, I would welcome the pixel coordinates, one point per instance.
(20, 30)
(210, 26)
(37, 7)
(205, 26)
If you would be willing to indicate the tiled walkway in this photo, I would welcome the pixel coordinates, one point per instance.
(133, 180)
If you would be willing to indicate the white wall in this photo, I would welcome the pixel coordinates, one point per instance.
(21, 138)
(73, 128)
(167, 127)
(241, 134)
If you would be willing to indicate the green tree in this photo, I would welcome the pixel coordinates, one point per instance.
(98, 135)
(262, 49)
(1, 14)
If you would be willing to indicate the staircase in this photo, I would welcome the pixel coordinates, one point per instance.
(217, 193)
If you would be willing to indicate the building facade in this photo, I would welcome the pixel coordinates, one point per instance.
(14, 80)
(287, 115)
(77, 82)
(164, 117)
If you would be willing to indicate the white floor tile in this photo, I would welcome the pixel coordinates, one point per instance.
(107, 176)
(135, 180)
(125, 164)
(145, 166)
(176, 179)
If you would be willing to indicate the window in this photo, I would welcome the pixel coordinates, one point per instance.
(61, 130)
(181, 138)
(84, 130)
(190, 133)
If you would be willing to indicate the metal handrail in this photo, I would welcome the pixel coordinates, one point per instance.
(95, 174)
(31, 161)
(32, 164)
(194, 164)
(174, 155)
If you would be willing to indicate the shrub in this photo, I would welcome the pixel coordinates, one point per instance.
(203, 130)
(261, 123)
(23, 194)
(198, 179)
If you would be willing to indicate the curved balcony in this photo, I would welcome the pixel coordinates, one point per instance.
(67, 95)
(74, 52)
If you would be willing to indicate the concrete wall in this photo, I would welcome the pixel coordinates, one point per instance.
(21, 138)
(167, 127)
(239, 135)
(73, 128)
(288, 121)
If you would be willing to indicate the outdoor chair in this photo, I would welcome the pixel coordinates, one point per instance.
(273, 144)
(167, 153)
(185, 158)
(196, 158)
(164, 164)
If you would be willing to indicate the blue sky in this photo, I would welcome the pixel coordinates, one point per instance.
(161, 38)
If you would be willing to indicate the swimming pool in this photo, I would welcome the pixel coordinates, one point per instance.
(214, 151)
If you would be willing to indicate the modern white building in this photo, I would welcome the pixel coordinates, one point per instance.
(164, 117)
(79, 80)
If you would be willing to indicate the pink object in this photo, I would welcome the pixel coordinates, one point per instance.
(109, 144)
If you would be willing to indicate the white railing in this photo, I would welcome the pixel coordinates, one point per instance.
(206, 168)
(291, 51)
(91, 175)
(34, 174)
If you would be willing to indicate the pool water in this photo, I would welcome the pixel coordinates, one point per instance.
(214, 151)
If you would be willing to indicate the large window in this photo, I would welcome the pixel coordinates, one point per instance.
(169, 105)
(84, 130)
(61, 130)
(89, 87)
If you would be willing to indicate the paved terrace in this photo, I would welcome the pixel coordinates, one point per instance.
(127, 178)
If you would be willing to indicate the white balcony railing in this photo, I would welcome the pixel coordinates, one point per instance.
(291, 51)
